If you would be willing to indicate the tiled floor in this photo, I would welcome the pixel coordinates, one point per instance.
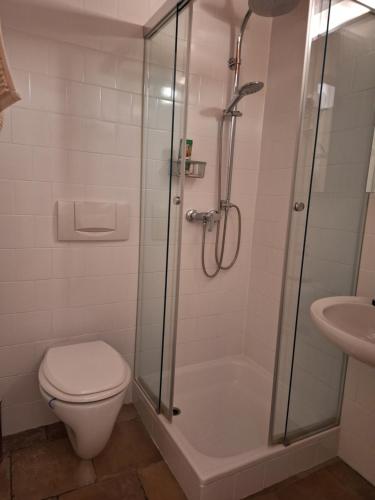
(332, 481)
(40, 465)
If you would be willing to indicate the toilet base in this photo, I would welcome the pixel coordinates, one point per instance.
(89, 425)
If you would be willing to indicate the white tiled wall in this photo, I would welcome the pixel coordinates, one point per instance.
(74, 135)
(121, 10)
(212, 311)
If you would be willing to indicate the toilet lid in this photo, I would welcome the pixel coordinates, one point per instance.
(85, 369)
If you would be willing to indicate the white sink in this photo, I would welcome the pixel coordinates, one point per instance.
(348, 322)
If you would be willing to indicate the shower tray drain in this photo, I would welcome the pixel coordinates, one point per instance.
(176, 411)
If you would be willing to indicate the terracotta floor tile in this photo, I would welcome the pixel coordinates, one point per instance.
(127, 412)
(159, 483)
(351, 479)
(290, 492)
(303, 490)
(129, 446)
(5, 479)
(48, 469)
(322, 485)
(125, 486)
(55, 431)
(24, 439)
(264, 496)
(332, 481)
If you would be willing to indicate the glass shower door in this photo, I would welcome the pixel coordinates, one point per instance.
(326, 236)
(165, 70)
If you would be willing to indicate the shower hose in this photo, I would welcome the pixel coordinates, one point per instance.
(225, 206)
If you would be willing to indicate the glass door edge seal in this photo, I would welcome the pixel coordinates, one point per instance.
(301, 114)
(169, 414)
(162, 15)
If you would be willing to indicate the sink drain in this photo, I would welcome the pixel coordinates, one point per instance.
(176, 411)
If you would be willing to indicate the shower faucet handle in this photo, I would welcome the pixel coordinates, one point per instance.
(209, 218)
(213, 216)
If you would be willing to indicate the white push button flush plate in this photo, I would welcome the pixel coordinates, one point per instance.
(92, 221)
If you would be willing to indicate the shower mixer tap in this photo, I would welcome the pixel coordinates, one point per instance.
(209, 218)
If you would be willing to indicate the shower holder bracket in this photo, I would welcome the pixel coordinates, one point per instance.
(232, 63)
(193, 168)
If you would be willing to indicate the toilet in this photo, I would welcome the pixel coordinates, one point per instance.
(85, 384)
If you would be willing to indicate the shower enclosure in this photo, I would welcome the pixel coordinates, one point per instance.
(222, 411)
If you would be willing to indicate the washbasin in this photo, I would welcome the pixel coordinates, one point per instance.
(348, 322)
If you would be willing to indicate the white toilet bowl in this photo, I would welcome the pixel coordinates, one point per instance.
(85, 385)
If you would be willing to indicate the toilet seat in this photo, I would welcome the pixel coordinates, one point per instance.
(83, 373)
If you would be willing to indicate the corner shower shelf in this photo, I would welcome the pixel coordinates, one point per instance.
(193, 168)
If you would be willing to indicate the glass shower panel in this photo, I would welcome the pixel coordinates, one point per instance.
(176, 185)
(325, 238)
(313, 75)
(163, 128)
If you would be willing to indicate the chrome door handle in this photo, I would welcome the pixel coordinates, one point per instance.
(299, 206)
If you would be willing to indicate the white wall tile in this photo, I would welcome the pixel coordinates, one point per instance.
(6, 197)
(19, 389)
(33, 198)
(68, 262)
(99, 136)
(17, 297)
(31, 326)
(27, 52)
(83, 100)
(48, 93)
(17, 231)
(116, 106)
(129, 76)
(49, 164)
(30, 127)
(27, 415)
(45, 231)
(128, 141)
(100, 68)
(33, 263)
(66, 61)
(52, 293)
(15, 161)
(17, 360)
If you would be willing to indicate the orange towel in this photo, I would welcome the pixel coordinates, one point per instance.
(8, 93)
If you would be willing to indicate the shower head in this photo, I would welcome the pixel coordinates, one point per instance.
(246, 89)
(272, 8)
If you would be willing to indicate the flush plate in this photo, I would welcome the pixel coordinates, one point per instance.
(92, 221)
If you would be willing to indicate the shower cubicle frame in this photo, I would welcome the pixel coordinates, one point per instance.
(170, 9)
(173, 8)
(202, 476)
